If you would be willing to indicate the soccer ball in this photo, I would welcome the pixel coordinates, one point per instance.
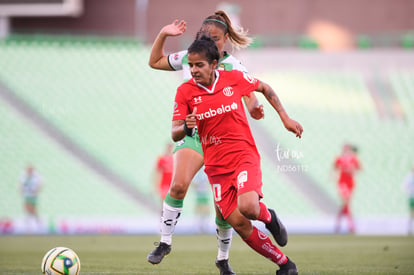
(60, 261)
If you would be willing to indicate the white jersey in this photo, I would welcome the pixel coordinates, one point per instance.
(179, 61)
(30, 184)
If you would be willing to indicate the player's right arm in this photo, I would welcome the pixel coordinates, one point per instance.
(180, 128)
(177, 130)
(158, 60)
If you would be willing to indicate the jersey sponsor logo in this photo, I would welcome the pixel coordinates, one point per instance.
(228, 91)
(176, 56)
(249, 78)
(198, 100)
(219, 111)
(241, 179)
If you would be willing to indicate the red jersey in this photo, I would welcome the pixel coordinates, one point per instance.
(221, 120)
(347, 164)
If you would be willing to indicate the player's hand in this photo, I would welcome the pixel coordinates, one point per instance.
(257, 112)
(294, 127)
(175, 28)
(191, 120)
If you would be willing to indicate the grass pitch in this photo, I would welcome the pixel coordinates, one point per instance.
(314, 254)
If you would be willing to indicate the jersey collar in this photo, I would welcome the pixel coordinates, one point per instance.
(214, 84)
(225, 55)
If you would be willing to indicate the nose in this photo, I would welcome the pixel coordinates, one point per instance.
(193, 69)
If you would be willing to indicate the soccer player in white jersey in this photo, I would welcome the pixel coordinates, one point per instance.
(30, 186)
(188, 155)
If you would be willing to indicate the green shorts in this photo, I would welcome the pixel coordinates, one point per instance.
(30, 200)
(411, 203)
(190, 142)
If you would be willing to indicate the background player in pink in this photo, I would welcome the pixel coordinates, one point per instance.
(346, 164)
(212, 102)
(164, 171)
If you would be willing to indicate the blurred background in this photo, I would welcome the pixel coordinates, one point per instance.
(81, 109)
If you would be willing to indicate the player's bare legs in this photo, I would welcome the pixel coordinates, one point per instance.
(250, 206)
(345, 210)
(187, 162)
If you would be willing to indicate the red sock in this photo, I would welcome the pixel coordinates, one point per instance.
(264, 215)
(262, 244)
(346, 209)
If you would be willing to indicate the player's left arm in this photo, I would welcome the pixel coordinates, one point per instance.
(290, 124)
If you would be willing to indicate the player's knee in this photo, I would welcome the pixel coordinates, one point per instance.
(178, 189)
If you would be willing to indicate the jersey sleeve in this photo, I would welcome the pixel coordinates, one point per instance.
(246, 83)
(159, 164)
(337, 163)
(240, 67)
(176, 60)
(180, 105)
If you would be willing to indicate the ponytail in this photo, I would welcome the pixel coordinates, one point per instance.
(238, 37)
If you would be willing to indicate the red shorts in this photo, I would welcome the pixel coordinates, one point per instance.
(345, 190)
(226, 187)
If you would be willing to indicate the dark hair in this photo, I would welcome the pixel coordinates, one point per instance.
(204, 44)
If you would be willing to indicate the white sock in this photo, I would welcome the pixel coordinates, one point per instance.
(224, 237)
(168, 221)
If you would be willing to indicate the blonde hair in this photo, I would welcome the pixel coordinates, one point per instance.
(238, 37)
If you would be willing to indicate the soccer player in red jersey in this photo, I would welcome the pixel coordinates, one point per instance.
(347, 164)
(188, 154)
(211, 101)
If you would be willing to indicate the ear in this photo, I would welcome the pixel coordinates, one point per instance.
(214, 64)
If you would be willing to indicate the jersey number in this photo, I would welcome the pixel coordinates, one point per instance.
(217, 191)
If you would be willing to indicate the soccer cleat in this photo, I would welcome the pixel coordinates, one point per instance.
(224, 267)
(156, 256)
(277, 229)
(289, 268)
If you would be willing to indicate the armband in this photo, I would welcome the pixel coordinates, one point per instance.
(189, 132)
